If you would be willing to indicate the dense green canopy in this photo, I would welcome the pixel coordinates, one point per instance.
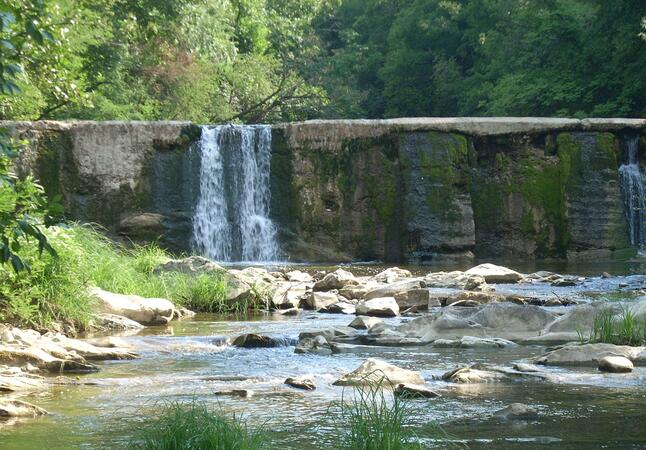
(272, 60)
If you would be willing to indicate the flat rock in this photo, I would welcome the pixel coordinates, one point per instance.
(114, 323)
(516, 411)
(378, 307)
(146, 311)
(390, 290)
(473, 342)
(590, 355)
(495, 274)
(615, 364)
(305, 383)
(455, 280)
(375, 371)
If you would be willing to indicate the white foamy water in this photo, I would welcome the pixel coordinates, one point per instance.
(231, 220)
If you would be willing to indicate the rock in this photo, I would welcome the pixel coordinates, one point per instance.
(339, 308)
(242, 393)
(18, 408)
(605, 275)
(365, 322)
(113, 323)
(43, 360)
(320, 300)
(473, 342)
(238, 290)
(84, 349)
(377, 372)
(590, 354)
(408, 390)
(393, 289)
(109, 342)
(290, 312)
(516, 411)
(473, 298)
(147, 226)
(305, 383)
(391, 275)
(615, 364)
(542, 276)
(353, 292)
(564, 282)
(487, 373)
(298, 276)
(455, 280)
(378, 307)
(339, 347)
(495, 274)
(146, 311)
(336, 280)
(255, 341)
(288, 294)
(193, 265)
(418, 299)
(317, 345)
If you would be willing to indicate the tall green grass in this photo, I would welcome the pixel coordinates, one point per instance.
(56, 288)
(375, 419)
(624, 328)
(184, 426)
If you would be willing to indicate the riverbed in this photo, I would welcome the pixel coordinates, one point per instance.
(189, 360)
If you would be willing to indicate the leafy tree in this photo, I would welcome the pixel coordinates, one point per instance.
(23, 204)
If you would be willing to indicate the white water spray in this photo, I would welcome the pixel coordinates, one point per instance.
(231, 220)
(634, 190)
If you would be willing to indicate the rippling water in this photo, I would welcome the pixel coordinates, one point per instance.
(186, 360)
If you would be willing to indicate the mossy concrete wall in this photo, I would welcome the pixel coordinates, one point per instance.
(415, 190)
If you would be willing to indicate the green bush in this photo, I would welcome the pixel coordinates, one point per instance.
(192, 426)
(55, 288)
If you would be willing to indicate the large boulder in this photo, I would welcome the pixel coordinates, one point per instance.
(590, 355)
(193, 265)
(146, 311)
(377, 372)
(336, 280)
(378, 307)
(495, 274)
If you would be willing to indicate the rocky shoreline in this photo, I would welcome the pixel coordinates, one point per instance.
(454, 310)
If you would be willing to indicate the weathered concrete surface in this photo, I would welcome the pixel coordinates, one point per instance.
(408, 189)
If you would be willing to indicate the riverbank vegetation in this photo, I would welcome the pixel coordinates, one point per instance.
(55, 289)
(275, 60)
(619, 329)
(184, 426)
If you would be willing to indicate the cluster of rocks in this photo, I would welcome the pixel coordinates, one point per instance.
(31, 362)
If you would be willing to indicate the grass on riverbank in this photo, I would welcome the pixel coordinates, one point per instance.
(619, 329)
(192, 425)
(55, 289)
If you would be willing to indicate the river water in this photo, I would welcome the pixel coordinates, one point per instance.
(186, 360)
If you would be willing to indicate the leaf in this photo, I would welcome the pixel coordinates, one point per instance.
(34, 32)
(7, 44)
(17, 264)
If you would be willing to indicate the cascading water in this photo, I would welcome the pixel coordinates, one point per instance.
(231, 220)
(634, 189)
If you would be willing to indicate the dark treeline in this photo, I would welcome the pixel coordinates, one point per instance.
(272, 60)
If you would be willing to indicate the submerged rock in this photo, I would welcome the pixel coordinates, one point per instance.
(615, 364)
(495, 274)
(305, 383)
(146, 311)
(17, 408)
(377, 372)
(242, 393)
(378, 307)
(517, 411)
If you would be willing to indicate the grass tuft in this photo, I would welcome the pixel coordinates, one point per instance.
(192, 425)
(619, 329)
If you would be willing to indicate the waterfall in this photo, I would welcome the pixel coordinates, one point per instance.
(634, 189)
(231, 220)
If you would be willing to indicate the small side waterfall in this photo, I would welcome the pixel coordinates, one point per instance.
(633, 186)
(231, 220)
